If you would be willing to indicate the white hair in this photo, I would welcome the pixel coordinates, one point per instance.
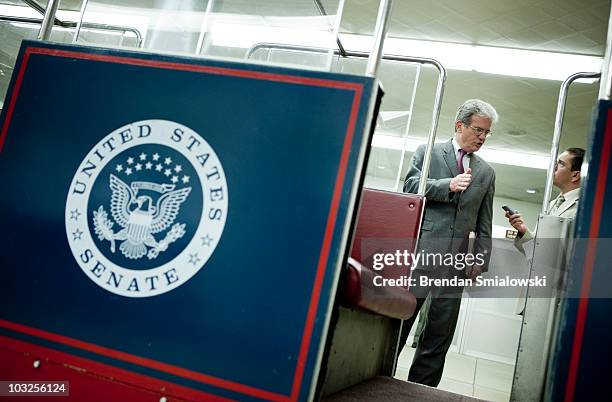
(476, 107)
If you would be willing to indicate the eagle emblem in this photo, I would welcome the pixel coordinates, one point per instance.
(141, 218)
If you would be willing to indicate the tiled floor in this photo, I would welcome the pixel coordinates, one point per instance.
(466, 375)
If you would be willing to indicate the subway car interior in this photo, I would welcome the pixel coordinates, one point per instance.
(245, 200)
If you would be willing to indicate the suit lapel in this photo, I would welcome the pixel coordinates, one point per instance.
(474, 165)
(449, 157)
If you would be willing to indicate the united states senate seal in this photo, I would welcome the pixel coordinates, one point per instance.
(146, 208)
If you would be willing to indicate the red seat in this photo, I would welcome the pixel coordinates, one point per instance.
(387, 222)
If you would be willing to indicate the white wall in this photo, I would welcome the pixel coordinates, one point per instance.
(529, 210)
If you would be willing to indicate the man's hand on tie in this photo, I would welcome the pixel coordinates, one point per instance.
(461, 182)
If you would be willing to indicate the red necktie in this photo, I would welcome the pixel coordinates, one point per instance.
(460, 161)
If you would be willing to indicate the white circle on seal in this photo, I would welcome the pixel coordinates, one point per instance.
(80, 217)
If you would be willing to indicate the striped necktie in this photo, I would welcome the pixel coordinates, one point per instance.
(560, 200)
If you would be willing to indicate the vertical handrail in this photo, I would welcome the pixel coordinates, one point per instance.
(380, 31)
(398, 176)
(332, 29)
(48, 20)
(605, 84)
(80, 22)
(336, 30)
(434, 127)
(204, 28)
(554, 151)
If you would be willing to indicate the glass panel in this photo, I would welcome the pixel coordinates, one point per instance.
(17, 21)
(404, 119)
(227, 28)
(402, 123)
(20, 21)
(235, 26)
(162, 25)
(405, 115)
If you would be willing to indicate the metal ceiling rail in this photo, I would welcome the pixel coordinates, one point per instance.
(554, 151)
(408, 59)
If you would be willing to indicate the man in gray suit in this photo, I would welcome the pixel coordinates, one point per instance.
(459, 194)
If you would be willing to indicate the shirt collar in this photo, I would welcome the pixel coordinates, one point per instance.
(456, 147)
(572, 195)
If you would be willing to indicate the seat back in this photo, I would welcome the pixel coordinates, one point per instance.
(387, 223)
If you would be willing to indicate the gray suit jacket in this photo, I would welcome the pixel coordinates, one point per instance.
(450, 217)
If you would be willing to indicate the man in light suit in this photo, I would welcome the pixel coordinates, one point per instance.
(566, 179)
(459, 194)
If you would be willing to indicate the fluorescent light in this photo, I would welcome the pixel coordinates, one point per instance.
(244, 31)
(393, 114)
(244, 36)
(485, 59)
(534, 161)
(393, 142)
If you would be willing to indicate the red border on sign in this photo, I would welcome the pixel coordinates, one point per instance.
(357, 88)
(103, 372)
(589, 262)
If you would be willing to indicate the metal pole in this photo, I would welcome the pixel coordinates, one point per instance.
(204, 27)
(557, 133)
(334, 32)
(384, 11)
(322, 11)
(398, 176)
(605, 85)
(434, 126)
(48, 20)
(80, 23)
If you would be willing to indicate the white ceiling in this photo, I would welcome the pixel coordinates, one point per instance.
(573, 26)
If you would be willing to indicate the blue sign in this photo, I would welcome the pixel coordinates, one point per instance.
(178, 218)
(582, 351)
